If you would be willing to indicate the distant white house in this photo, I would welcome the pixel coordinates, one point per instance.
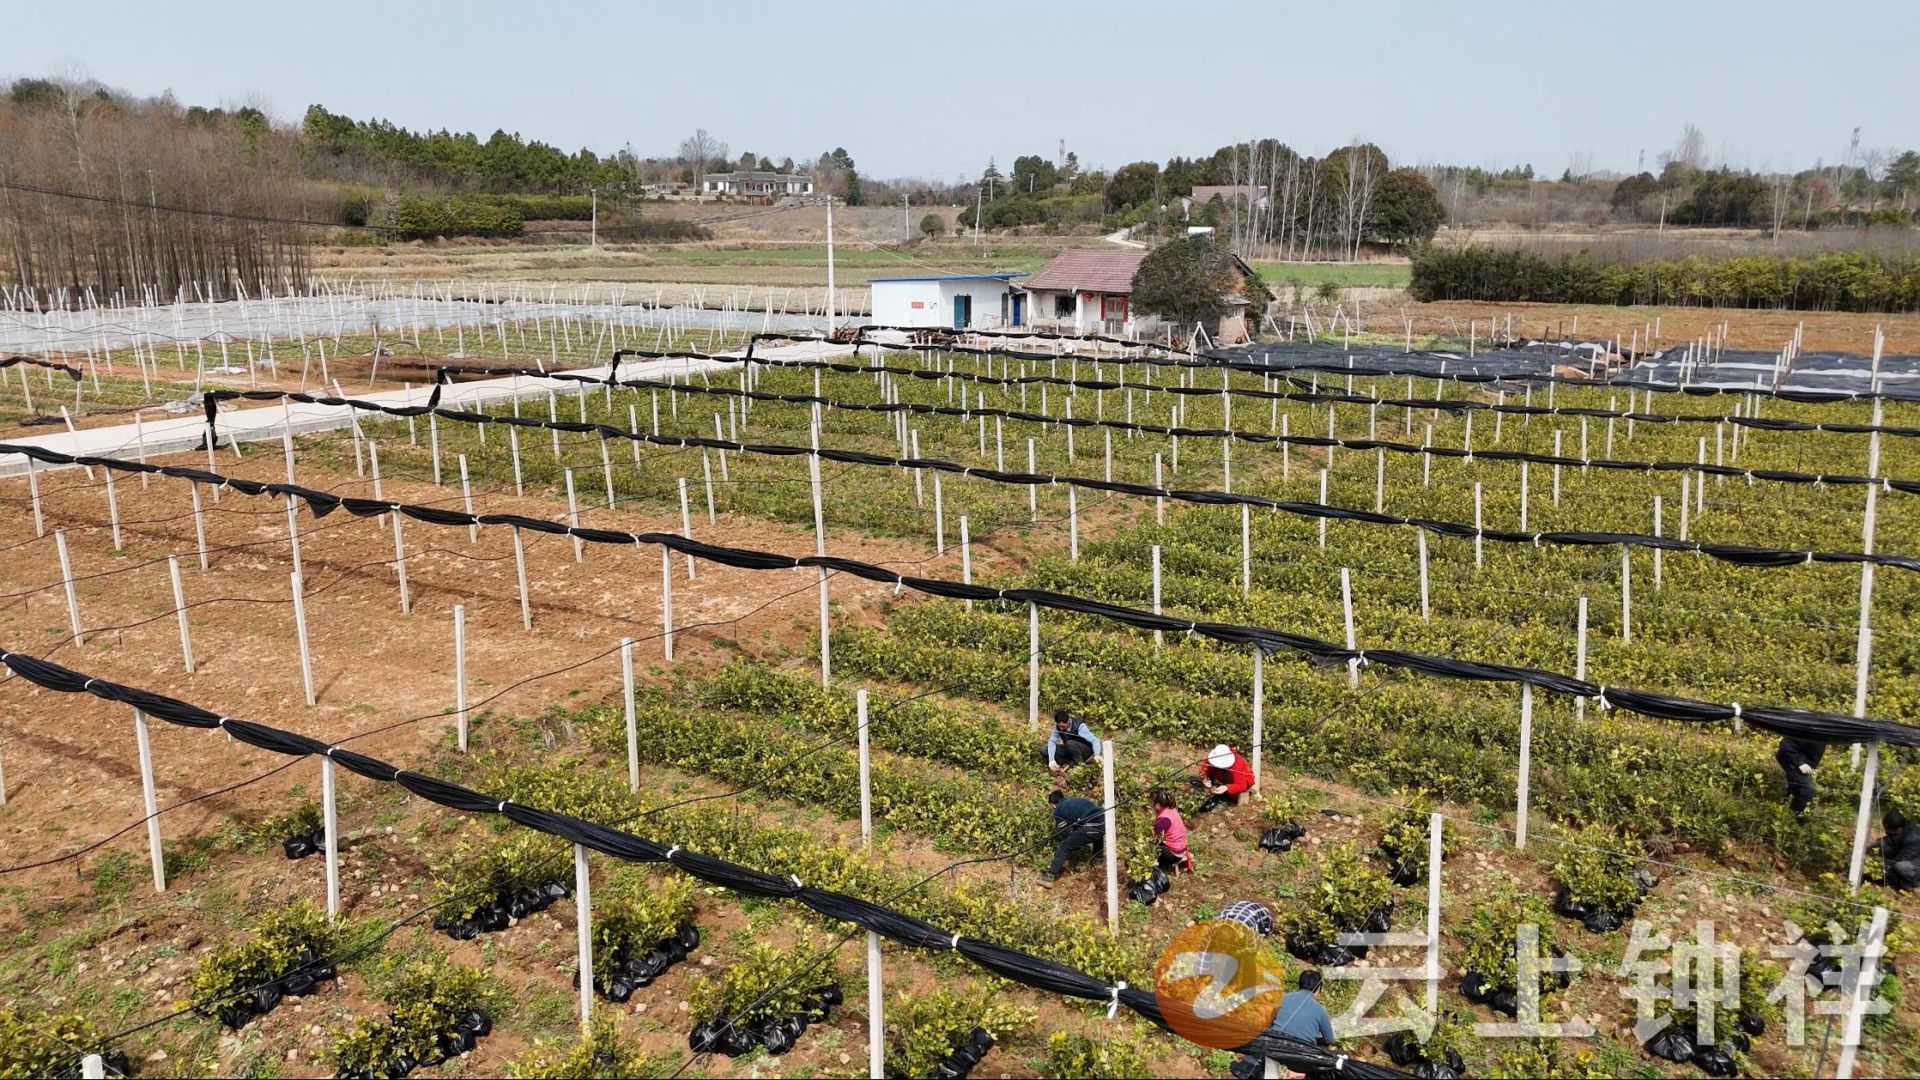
(959, 301)
(1086, 291)
(756, 183)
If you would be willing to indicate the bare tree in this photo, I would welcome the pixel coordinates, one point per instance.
(1691, 150)
(700, 150)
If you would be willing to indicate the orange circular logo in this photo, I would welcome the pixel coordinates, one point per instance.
(1219, 984)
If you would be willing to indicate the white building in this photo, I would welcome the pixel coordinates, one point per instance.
(757, 183)
(959, 301)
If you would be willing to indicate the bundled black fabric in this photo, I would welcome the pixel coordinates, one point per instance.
(72, 372)
(1800, 723)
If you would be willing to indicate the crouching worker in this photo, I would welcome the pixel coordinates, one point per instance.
(1900, 850)
(1225, 776)
(1072, 742)
(1172, 831)
(1798, 758)
(1077, 823)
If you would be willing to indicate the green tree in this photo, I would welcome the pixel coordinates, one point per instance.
(1630, 194)
(1033, 175)
(1186, 281)
(1903, 177)
(1133, 185)
(931, 226)
(1405, 209)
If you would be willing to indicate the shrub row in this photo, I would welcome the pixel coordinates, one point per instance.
(1832, 281)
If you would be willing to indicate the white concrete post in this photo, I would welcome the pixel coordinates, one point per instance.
(1863, 818)
(1073, 523)
(1346, 608)
(876, 1024)
(1426, 608)
(300, 632)
(1526, 767)
(966, 557)
(1866, 979)
(1626, 593)
(520, 570)
(460, 673)
(1159, 637)
(1323, 502)
(400, 565)
(150, 800)
(1435, 847)
(1580, 653)
(180, 609)
(66, 579)
(40, 522)
(1479, 540)
(1657, 552)
(826, 646)
(583, 926)
(573, 515)
(330, 820)
(939, 518)
(113, 511)
(1111, 822)
(1033, 666)
(199, 523)
(1259, 712)
(633, 727)
(666, 602)
(686, 525)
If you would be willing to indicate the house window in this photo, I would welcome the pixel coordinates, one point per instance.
(1063, 306)
(1113, 308)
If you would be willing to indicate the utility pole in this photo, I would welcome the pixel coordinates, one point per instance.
(593, 229)
(906, 224)
(830, 304)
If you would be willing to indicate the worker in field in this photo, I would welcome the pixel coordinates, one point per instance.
(1798, 758)
(1251, 914)
(1301, 1018)
(1077, 823)
(1172, 831)
(1900, 851)
(1225, 776)
(1071, 743)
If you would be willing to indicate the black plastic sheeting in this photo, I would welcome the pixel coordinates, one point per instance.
(1737, 554)
(1808, 724)
(10, 361)
(896, 926)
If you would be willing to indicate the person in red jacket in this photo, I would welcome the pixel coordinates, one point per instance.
(1226, 776)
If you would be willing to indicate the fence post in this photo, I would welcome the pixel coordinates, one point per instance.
(150, 801)
(520, 569)
(1426, 608)
(330, 821)
(1112, 836)
(876, 1002)
(1435, 847)
(300, 631)
(939, 517)
(1246, 550)
(199, 523)
(1073, 523)
(666, 602)
(33, 490)
(1866, 978)
(966, 557)
(826, 648)
(460, 672)
(1259, 711)
(1322, 517)
(583, 925)
(66, 579)
(633, 721)
(113, 511)
(180, 608)
(1159, 637)
(1526, 767)
(1626, 593)
(1033, 666)
(1579, 654)
(1346, 606)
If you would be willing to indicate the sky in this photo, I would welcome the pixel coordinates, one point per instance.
(935, 90)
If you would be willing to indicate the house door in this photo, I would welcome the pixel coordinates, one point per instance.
(962, 312)
(1019, 309)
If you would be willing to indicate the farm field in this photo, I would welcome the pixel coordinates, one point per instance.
(743, 755)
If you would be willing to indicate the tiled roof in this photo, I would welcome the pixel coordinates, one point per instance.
(1089, 271)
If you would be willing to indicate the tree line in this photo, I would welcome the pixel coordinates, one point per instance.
(1277, 203)
(1856, 281)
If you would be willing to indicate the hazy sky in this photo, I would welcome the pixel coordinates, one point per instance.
(935, 89)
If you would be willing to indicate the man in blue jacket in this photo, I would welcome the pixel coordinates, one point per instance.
(1078, 822)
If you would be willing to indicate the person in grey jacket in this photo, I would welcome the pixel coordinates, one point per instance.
(1071, 743)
